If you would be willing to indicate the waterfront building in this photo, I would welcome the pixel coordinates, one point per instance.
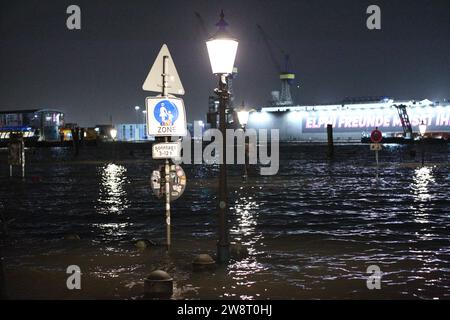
(38, 124)
(132, 132)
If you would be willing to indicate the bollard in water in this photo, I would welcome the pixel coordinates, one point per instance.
(158, 285)
(330, 151)
(142, 244)
(203, 262)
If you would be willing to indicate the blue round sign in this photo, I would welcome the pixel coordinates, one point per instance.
(166, 113)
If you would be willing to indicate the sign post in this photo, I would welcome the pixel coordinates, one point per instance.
(16, 153)
(166, 117)
(376, 136)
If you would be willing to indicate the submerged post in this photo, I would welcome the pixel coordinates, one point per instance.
(16, 153)
(376, 159)
(423, 150)
(422, 130)
(22, 157)
(167, 186)
(2, 278)
(223, 245)
(222, 49)
(330, 151)
(167, 163)
(165, 117)
(376, 136)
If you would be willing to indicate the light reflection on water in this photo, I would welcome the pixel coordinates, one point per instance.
(112, 195)
(112, 199)
(246, 235)
(423, 177)
(309, 232)
(112, 229)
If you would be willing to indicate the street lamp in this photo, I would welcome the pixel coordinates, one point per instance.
(422, 130)
(113, 133)
(222, 50)
(243, 114)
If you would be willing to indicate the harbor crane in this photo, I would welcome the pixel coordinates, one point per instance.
(286, 76)
(404, 119)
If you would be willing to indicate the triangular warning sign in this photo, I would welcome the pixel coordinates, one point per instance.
(154, 81)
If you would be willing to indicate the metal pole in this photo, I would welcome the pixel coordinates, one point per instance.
(2, 272)
(114, 149)
(423, 152)
(246, 146)
(136, 130)
(2, 276)
(330, 150)
(376, 158)
(167, 164)
(10, 171)
(167, 174)
(23, 158)
(223, 245)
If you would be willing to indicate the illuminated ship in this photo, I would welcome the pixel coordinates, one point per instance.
(354, 119)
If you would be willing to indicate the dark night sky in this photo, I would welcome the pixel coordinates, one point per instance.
(98, 71)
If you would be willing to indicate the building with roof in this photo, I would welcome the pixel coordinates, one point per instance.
(38, 124)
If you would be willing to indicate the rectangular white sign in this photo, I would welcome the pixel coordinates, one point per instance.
(375, 146)
(167, 150)
(166, 117)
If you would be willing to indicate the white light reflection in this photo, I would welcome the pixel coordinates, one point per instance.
(246, 235)
(112, 195)
(423, 177)
(112, 229)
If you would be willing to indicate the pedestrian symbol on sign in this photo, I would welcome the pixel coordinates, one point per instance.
(165, 117)
(166, 113)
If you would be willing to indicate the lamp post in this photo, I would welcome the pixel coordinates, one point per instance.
(136, 131)
(422, 130)
(113, 134)
(144, 112)
(243, 115)
(222, 50)
(144, 115)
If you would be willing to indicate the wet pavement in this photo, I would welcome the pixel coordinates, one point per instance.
(310, 232)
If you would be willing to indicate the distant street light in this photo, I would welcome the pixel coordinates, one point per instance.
(113, 133)
(422, 130)
(222, 50)
(243, 116)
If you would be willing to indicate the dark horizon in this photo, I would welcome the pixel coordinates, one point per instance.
(98, 72)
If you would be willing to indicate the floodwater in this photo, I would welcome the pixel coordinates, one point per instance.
(310, 232)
